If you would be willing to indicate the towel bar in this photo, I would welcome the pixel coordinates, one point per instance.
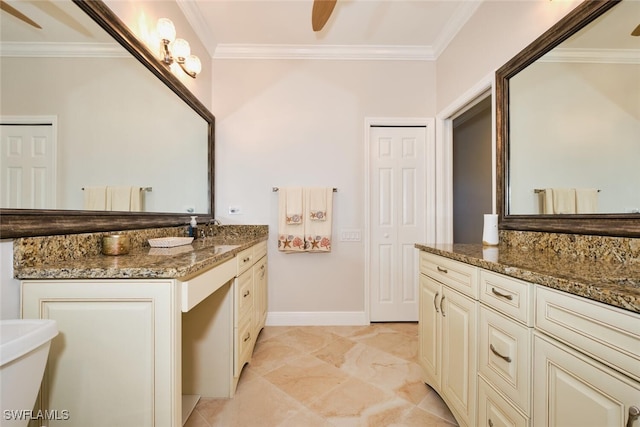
(141, 189)
(541, 190)
(275, 189)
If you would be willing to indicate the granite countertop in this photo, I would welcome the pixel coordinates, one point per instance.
(143, 263)
(612, 283)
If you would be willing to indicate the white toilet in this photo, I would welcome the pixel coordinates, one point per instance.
(24, 347)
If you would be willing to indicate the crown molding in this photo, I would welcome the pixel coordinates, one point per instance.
(193, 14)
(462, 14)
(63, 50)
(331, 52)
(602, 56)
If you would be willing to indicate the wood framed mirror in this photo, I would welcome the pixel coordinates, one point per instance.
(615, 222)
(40, 222)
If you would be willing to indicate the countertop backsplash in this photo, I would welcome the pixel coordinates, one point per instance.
(597, 248)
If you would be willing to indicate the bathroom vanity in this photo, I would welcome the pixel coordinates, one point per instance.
(144, 335)
(511, 337)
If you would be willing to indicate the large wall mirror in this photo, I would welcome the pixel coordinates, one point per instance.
(568, 120)
(119, 118)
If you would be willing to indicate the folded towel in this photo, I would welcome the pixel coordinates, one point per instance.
(290, 225)
(586, 200)
(119, 198)
(317, 204)
(95, 198)
(564, 200)
(135, 203)
(293, 205)
(318, 232)
(547, 201)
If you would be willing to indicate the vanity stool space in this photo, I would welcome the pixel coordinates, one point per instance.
(502, 351)
(140, 352)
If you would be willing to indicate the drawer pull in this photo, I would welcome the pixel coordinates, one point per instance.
(245, 339)
(247, 259)
(441, 306)
(501, 295)
(246, 294)
(490, 423)
(634, 412)
(494, 351)
(442, 270)
(435, 304)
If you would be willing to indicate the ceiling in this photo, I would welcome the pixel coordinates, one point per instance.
(421, 28)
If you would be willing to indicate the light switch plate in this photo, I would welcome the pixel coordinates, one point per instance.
(350, 235)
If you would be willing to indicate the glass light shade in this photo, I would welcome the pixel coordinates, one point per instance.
(166, 30)
(181, 49)
(192, 64)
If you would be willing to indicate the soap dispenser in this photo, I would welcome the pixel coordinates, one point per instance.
(193, 227)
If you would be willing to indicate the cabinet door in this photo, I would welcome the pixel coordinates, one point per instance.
(571, 389)
(429, 332)
(459, 348)
(114, 361)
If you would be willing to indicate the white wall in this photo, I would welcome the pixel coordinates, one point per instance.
(301, 122)
(493, 35)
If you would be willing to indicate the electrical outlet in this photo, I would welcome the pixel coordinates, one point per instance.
(350, 235)
(235, 210)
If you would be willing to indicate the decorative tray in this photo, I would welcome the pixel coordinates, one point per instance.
(169, 242)
(176, 250)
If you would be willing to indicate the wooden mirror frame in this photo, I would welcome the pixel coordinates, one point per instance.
(625, 225)
(38, 222)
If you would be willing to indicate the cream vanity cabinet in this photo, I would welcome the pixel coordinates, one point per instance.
(505, 331)
(447, 346)
(134, 351)
(586, 368)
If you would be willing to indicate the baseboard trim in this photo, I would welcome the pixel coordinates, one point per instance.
(317, 318)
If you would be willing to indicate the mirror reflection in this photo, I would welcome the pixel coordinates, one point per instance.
(96, 116)
(574, 123)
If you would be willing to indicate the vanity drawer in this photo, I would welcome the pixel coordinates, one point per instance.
(507, 295)
(201, 286)
(496, 411)
(243, 345)
(608, 334)
(243, 296)
(457, 275)
(504, 356)
(245, 260)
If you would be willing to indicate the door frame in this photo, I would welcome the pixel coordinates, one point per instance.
(444, 154)
(49, 120)
(430, 186)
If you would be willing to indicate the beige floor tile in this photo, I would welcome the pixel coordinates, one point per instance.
(306, 378)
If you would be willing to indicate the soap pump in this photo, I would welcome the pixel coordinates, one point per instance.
(193, 227)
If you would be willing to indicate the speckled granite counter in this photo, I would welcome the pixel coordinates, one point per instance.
(612, 283)
(78, 257)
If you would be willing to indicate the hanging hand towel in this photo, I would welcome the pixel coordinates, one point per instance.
(564, 200)
(95, 198)
(586, 200)
(119, 198)
(318, 231)
(290, 224)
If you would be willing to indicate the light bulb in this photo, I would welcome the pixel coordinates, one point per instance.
(166, 30)
(193, 65)
(181, 49)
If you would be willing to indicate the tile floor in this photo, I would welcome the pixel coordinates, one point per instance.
(330, 376)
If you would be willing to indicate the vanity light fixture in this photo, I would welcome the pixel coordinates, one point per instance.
(177, 50)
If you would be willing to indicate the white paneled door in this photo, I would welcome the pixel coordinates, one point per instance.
(27, 166)
(397, 213)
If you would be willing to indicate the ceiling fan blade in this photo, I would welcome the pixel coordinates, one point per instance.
(13, 11)
(321, 12)
(636, 32)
